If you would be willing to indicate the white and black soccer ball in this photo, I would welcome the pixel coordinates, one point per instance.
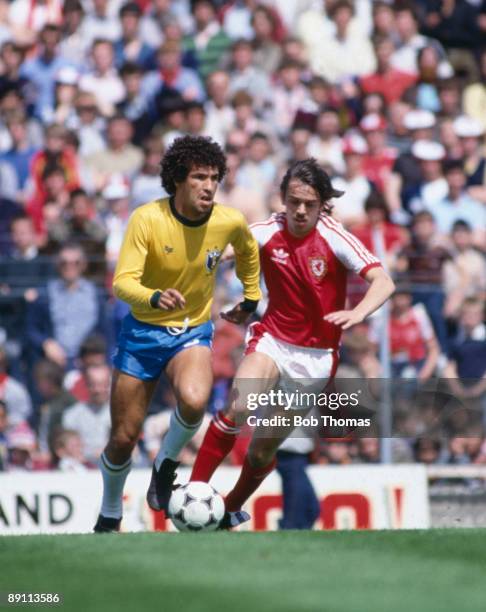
(196, 506)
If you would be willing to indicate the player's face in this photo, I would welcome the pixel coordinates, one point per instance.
(303, 207)
(198, 191)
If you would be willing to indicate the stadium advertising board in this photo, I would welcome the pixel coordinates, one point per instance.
(364, 497)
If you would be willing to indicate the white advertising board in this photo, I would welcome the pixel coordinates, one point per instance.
(363, 497)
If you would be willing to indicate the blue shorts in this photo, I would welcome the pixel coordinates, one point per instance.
(144, 350)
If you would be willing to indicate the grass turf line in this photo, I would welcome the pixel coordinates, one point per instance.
(380, 571)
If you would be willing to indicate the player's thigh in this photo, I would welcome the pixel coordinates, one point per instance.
(130, 399)
(256, 374)
(191, 376)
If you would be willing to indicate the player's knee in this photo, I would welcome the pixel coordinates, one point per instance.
(124, 439)
(193, 401)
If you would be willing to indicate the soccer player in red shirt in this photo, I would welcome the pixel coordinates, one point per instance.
(305, 258)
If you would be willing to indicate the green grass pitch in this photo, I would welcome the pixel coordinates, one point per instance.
(384, 571)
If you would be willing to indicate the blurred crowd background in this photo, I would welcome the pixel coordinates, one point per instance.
(390, 97)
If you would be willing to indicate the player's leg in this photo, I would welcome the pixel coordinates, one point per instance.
(259, 462)
(257, 373)
(191, 377)
(130, 398)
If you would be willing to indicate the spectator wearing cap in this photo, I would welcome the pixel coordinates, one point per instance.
(146, 185)
(289, 95)
(411, 42)
(73, 46)
(42, 69)
(91, 419)
(379, 158)
(474, 95)
(354, 183)
(345, 53)
(101, 22)
(170, 76)
(103, 80)
(325, 144)
(423, 261)
(65, 92)
(388, 81)
(465, 273)
(120, 156)
(245, 76)
(116, 196)
(220, 115)
(413, 345)
(21, 444)
(433, 186)
(62, 315)
(267, 39)
(457, 205)
(406, 169)
(470, 132)
(135, 106)
(130, 47)
(208, 41)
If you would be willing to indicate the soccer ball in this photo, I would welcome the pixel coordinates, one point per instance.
(196, 506)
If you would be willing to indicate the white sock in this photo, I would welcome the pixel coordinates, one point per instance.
(176, 438)
(114, 477)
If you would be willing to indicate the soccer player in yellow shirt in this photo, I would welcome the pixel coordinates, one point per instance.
(166, 273)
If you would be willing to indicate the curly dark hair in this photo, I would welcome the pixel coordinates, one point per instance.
(187, 152)
(309, 172)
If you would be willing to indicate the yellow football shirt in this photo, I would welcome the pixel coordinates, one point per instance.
(161, 250)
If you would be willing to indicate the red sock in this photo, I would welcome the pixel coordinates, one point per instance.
(217, 444)
(248, 482)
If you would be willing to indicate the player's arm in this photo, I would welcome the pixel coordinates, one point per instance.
(356, 257)
(127, 285)
(380, 289)
(247, 260)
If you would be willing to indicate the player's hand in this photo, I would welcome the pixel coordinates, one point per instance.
(236, 315)
(344, 318)
(171, 299)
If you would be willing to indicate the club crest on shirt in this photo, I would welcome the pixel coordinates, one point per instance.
(318, 266)
(212, 258)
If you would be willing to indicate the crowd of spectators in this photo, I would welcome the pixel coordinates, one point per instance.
(390, 97)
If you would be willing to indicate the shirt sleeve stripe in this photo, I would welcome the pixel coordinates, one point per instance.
(357, 248)
(366, 254)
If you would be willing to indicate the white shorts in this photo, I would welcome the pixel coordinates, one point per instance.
(313, 367)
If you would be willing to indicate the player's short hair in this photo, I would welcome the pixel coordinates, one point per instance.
(309, 172)
(187, 152)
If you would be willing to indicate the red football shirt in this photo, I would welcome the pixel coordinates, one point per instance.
(306, 279)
